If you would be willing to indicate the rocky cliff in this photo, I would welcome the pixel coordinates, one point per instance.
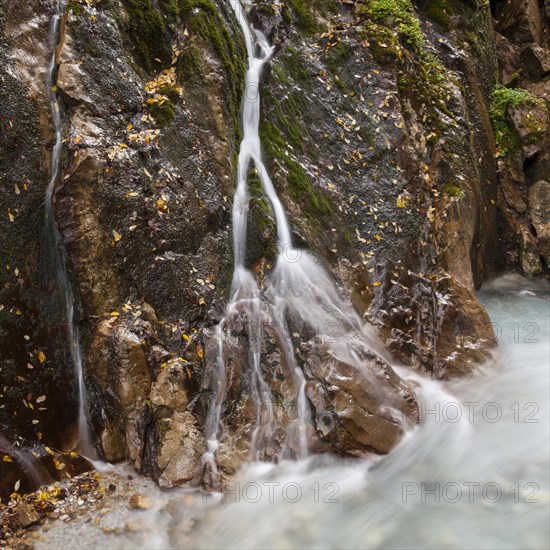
(408, 141)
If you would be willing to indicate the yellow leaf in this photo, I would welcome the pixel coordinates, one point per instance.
(199, 351)
(7, 458)
(41, 356)
(117, 236)
(186, 338)
(377, 236)
(161, 205)
(377, 283)
(115, 314)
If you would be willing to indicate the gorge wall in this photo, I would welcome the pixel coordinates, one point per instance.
(408, 142)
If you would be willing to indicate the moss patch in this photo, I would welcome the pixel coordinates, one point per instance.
(395, 36)
(503, 98)
(438, 11)
(306, 13)
(148, 33)
(75, 8)
(397, 14)
(454, 191)
(205, 20)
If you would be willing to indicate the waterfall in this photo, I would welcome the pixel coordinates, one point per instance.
(298, 290)
(245, 294)
(54, 242)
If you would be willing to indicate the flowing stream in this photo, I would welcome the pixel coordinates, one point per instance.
(474, 473)
(54, 242)
(245, 294)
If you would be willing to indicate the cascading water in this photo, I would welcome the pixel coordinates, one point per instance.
(298, 290)
(54, 242)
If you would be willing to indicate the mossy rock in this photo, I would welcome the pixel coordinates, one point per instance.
(148, 33)
(262, 230)
(305, 14)
(163, 114)
(503, 99)
(438, 11)
(204, 19)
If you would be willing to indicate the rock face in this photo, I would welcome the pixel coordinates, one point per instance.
(523, 46)
(376, 124)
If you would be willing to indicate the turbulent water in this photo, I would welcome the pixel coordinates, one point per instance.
(57, 257)
(473, 474)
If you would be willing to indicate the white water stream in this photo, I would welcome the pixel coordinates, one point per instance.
(298, 289)
(54, 242)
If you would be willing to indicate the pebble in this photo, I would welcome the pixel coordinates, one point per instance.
(139, 502)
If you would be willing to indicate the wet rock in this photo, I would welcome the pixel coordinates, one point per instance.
(531, 124)
(529, 162)
(139, 502)
(121, 369)
(529, 256)
(360, 405)
(27, 514)
(181, 444)
(539, 210)
(509, 61)
(522, 22)
(536, 61)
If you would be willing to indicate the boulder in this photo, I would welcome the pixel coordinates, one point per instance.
(536, 62)
(522, 22)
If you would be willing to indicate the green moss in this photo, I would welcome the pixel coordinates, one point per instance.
(312, 202)
(337, 56)
(453, 191)
(503, 98)
(272, 140)
(76, 8)
(302, 192)
(304, 19)
(396, 14)
(384, 44)
(294, 65)
(190, 67)
(395, 36)
(305, 13)
(170, 8)
(163, 114)
(148, 33)
(438, 11)
(205, 20)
